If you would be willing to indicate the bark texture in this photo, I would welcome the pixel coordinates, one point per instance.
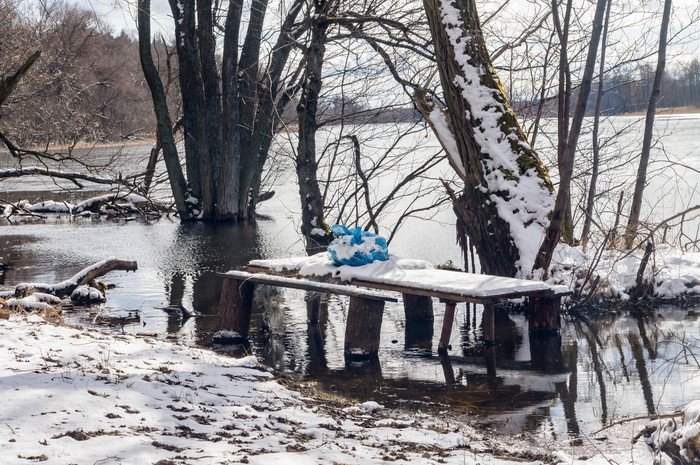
(485, 209)
(229, 116)
(313, 224)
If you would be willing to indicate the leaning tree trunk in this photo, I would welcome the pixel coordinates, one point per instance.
(566, 162)
(178, 184)
(8, 84)
(313, 225)
(633, 222)
(507, 192)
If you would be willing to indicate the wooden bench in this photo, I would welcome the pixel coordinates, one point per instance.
(417, 285)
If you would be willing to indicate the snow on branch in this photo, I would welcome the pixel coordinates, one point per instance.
(514, 179)
(86, 275)
(443, 129)
(74, 177)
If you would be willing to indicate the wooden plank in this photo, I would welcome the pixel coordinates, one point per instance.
(418, 289)
(454, 296)
(308, 285)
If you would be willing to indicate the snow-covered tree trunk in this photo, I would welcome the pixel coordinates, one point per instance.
(507, 193)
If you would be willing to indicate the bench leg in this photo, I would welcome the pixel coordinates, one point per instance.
(234, 308)
(363, 328)
(418, 310)
(489, 323)
(417, 307)
(447, 323)
(544, 315)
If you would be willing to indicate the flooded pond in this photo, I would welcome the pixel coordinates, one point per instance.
(606, 366)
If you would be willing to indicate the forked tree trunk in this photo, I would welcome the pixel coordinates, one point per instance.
(228, 119)
(486, 146)
(566, 163)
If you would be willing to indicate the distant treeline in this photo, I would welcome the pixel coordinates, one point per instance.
(629, 91)
(88, 85)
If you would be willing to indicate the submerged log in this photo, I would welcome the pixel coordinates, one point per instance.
(65, 288)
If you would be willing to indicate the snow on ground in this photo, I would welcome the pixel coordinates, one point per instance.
(82, 396)
(673, 271)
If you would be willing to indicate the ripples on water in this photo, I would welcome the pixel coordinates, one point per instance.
(607, 367)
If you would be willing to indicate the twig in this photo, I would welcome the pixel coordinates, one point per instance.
(677, 413)
(611, 462)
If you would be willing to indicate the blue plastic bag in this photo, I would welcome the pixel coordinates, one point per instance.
(356, 247)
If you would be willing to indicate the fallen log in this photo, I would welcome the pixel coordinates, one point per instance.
(65, 288)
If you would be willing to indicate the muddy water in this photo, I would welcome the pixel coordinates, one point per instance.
(605, 367)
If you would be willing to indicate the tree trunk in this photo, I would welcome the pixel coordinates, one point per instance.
(590, 198)
(564, 104)
(566, 166)
(178, 185)
(8, 85)
(190, 88)
(229, 179)
(633, 222)
(485, 145)
(313, 224)
(210, 155)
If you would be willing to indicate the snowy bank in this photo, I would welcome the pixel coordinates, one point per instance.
(671, 272)
(81, 396)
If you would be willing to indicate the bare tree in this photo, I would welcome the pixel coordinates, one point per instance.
(566, 162)
(592, 185)
(485, 145)
(633, 221)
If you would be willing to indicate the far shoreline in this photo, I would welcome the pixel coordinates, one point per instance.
(664, 111)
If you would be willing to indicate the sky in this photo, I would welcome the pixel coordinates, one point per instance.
(121, 15)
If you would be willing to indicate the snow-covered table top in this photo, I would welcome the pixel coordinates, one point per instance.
(409, 276)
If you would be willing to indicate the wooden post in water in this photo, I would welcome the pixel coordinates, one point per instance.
(417, 307)
(235, 307)
(489, 323)
(544, 315)
(418, 310)
(363, 328)
(447, 323)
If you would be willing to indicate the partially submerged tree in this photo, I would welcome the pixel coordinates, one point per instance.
(229, 114)
(507, 193)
